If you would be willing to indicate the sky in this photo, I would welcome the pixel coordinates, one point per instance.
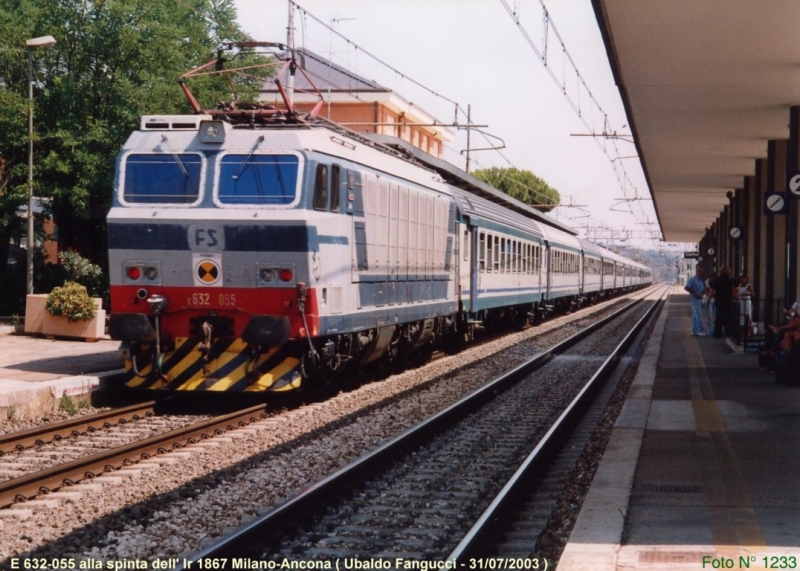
(474, 53)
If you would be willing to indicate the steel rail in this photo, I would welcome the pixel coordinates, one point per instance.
(39, 435)
(477, 542)
(29, 486)
(272, 525)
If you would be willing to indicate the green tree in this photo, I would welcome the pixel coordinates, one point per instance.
(114, 61)
(522, 185)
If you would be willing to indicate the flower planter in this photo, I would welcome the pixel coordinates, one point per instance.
(91, 330)
(35, 312)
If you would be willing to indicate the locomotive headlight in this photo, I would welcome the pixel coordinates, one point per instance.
(274, 275)
(213, 131)
(138, 272)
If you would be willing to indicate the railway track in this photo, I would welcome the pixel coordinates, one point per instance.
(100, 454)
(73, 427)
(265, 464)
(437, 490)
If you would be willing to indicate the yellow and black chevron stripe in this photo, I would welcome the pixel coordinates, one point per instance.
(229, 367)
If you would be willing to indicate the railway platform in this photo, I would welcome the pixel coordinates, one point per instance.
(702, 469)
(36, 372)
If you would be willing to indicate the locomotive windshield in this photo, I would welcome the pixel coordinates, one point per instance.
(258, 179)
(162, 178)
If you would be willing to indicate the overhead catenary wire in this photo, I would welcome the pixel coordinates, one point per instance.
(579, 104)
(575, 102)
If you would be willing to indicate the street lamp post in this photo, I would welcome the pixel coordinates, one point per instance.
(32, 44)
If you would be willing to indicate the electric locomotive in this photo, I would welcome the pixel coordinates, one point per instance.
(251, 248)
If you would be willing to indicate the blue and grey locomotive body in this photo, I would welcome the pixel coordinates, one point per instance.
(250, 258)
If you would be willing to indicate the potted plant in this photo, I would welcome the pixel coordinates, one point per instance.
(71, 312)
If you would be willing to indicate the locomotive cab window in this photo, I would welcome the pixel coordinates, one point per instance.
(335, 187)
(321, 188)
(162, 178)
(258, 179)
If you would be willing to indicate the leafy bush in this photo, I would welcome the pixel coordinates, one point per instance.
(83, 271)
(71, 301)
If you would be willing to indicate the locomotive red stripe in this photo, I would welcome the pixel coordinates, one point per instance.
(184, 303)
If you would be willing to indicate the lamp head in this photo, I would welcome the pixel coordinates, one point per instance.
(41, 42)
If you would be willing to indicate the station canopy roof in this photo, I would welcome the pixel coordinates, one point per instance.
(705, 85)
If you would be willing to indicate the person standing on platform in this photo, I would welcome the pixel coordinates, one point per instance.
(723, 294)
(745, 295)
(696, 287)
(709, 314)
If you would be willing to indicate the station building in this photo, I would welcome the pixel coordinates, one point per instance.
(361, 104)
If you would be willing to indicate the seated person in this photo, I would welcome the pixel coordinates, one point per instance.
(775, 335)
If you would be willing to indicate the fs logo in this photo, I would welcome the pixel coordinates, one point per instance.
(206, 238)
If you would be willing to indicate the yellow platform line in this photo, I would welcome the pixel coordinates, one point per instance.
(734, 524)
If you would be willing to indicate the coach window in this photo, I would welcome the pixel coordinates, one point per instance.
(515, 252)
(526, 258)
(531, 259)
(336, 182)
(523, 258)
(466, 244)
(531, 249)
(503, 255)
(489, 253)
(482, 252)
(497, 253)
(321, 188)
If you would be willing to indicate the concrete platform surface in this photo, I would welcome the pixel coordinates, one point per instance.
(36, 372)
(702, 470)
